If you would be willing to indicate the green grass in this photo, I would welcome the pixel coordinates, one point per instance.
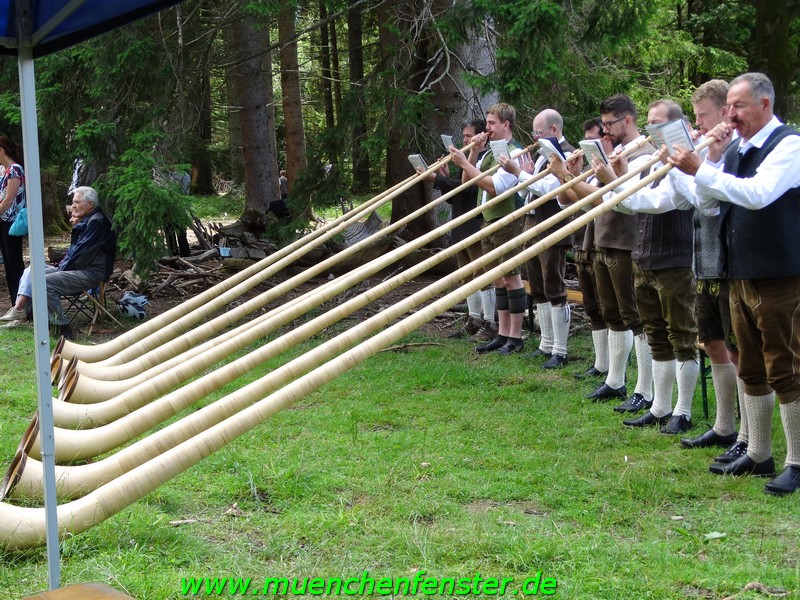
(440, 460)
(217, 207)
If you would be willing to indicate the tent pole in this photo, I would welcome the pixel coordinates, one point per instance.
(41, 330)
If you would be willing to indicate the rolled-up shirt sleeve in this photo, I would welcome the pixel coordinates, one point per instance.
(503, 181)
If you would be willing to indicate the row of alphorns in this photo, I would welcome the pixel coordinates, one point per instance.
(112, 393)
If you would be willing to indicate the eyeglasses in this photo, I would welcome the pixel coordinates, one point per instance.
(608, 124)
(536, 133)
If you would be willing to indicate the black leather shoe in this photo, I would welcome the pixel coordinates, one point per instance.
(556, 361)
(737, 450)
(634, 404)
(606, 392)
(510, 347)
(677, 424)
(709, 438)
(744, 465)
(785, 483)
(648, 419)
(539, 353)
(495, 344)
(591, 372)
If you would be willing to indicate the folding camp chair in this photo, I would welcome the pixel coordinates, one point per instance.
(89, 303)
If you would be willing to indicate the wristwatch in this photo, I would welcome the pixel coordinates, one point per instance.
(566, 178)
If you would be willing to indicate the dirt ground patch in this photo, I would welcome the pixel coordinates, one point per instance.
(185, 286)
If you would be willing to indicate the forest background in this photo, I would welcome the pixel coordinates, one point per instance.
(236, 91)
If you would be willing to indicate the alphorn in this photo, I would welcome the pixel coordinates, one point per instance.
(83, 389)
(128, 402)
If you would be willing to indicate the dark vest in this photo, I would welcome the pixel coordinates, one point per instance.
(709, 262)
(615, 229)
(551, 207)
(765, 243)
(663, 241)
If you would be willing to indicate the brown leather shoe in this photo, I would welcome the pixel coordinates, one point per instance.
(471, 327)
(486, 333)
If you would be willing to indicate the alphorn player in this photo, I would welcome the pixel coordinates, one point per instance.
(714, 329)
(756, 184)
(664, 283)
(583, 247)
(614, 235)
(509, 292)
(481, 324)
(547, 271)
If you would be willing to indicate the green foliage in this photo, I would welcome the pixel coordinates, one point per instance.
(143, 203)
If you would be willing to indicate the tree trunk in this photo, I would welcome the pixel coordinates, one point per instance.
(336, 73)
(292, 102)
(53, 213)
(202, 180)
(252, 70)
(356, 52)
(325, 60)
(234, 123)
(455, 101)
(772, 53)
(397, 151)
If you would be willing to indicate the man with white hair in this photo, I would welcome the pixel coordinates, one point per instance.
(547, 271)
(89, 260)
(756, 184)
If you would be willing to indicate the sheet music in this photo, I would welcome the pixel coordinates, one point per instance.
(417, 161)
(499, 148)
(593, 148)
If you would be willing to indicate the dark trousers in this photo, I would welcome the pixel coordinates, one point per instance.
(546, 271)
(586, 281)
(766, 320)
(665, 299)
(11, 246)
(713, 310)
(469, 255)
(613, 273)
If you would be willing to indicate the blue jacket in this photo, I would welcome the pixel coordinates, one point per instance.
(93, 245)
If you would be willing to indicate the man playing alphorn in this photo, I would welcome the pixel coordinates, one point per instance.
(756, 184)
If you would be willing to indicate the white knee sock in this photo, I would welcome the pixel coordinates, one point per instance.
(759, 418)
(724, 377)
(600, 342)
(790, 416)
(619, 348)
(545, 326)
(687, 372)
(560, 317)
(474, 305)
(644, 367)
(488, 302)
(744, 422)
(664, 376)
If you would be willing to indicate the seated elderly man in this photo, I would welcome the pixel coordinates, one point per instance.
(89, 259)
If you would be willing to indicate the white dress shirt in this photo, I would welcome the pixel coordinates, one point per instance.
(779, 172)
